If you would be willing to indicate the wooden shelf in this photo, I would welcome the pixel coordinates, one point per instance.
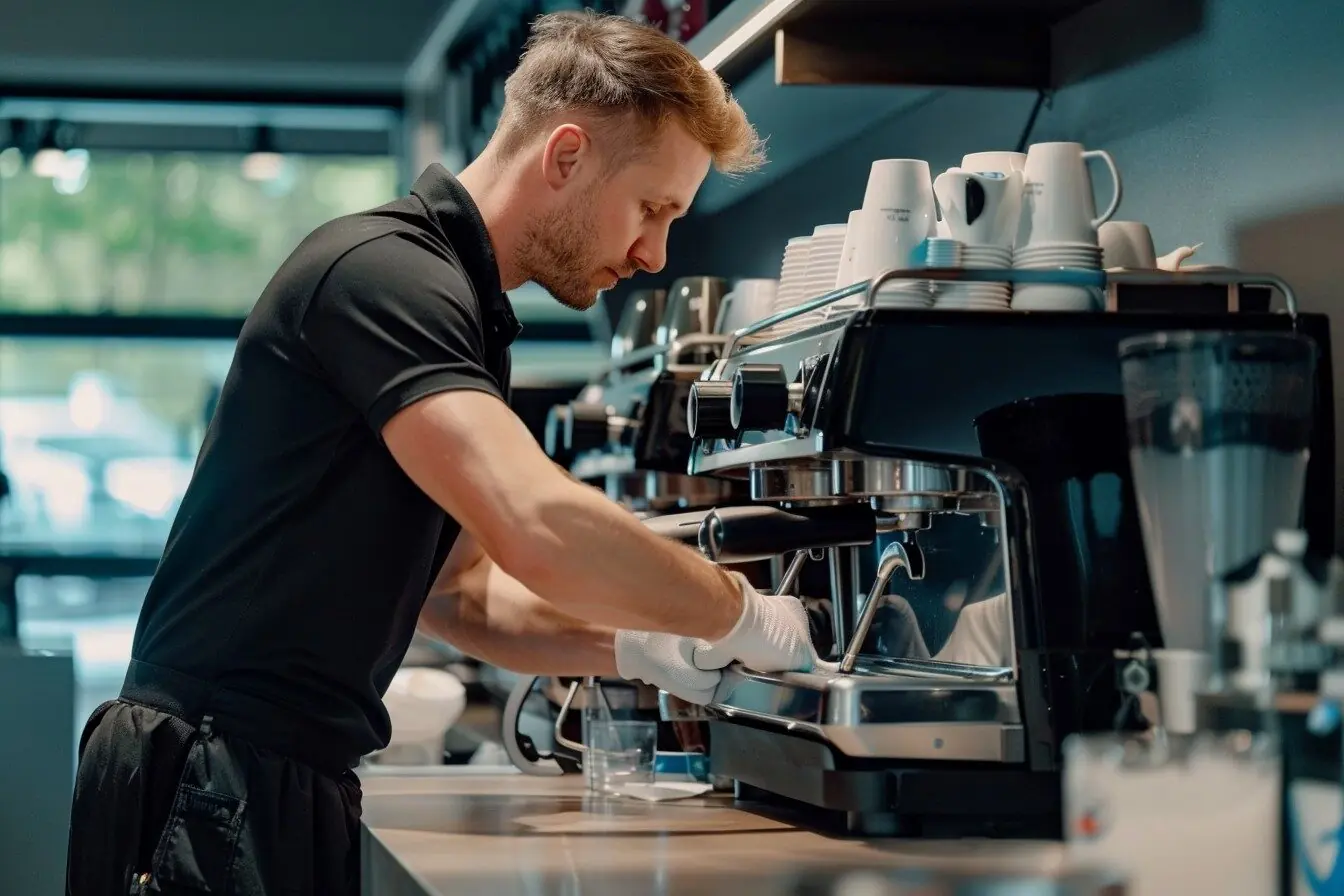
(1036, 44)
(795, 65)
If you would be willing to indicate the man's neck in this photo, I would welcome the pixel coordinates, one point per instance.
(494, 189)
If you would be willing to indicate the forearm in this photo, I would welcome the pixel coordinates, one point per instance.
(489, 615)
(595, 560)
(563, 540)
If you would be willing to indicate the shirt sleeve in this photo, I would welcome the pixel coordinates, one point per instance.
(394, 322)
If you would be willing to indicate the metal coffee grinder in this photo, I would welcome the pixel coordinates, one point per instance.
(1219, 431)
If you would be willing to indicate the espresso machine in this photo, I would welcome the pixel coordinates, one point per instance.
(964, 478)
(626, 432)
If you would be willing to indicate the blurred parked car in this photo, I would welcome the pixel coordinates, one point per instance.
(91, 471)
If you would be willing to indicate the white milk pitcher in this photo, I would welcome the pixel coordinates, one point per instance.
(1058, 206)
(980, 208)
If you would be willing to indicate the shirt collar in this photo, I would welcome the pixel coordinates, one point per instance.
(456, 216)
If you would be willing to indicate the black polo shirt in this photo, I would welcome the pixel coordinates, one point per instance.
(297, 566)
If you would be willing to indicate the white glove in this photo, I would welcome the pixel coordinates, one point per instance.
(772, 635)
(664, 661)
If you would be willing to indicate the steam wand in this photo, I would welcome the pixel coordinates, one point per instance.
(898, 555)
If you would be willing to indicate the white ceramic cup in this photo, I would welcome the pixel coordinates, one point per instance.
(898, 213)
(1002, 162)
(750, 301)
(1058, 205)
(1054, 297)
(884, 242)
(980, 209)
(903, 188)
(845, 275)
(1127, 244)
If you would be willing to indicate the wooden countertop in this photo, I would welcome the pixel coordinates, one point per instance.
(505, 834)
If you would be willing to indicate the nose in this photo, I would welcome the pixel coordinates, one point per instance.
(650, 254)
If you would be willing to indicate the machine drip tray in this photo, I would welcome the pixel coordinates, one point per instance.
(806, 782)
(913, 716)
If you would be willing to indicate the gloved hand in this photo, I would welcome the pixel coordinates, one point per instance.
(664, 661)
(772, 635)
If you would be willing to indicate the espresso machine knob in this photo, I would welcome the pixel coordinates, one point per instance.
(708, 409)
(811, 376)
(557, 423)
(586, 427)
(760, 398)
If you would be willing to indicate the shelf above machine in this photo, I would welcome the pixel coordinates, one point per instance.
(813, 75)
(953, 43)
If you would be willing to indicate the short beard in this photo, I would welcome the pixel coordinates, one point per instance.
(556, 252)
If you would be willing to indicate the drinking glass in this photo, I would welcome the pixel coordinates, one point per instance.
(619, 754)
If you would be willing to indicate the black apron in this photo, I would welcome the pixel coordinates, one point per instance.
(173, 806)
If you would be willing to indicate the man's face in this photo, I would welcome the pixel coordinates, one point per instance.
(604, 224)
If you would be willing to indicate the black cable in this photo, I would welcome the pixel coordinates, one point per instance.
(1043, 97)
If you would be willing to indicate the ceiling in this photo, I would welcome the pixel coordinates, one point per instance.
(334, 48)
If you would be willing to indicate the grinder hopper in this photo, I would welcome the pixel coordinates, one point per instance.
(1219, 427)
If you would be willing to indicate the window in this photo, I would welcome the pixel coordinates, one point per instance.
(98, 438)
(168, 214)
(166, 232)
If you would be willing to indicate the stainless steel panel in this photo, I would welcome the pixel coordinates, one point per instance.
(951, 717)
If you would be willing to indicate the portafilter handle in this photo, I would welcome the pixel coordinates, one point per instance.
(679, 527)
(758, 532)
(898, 555)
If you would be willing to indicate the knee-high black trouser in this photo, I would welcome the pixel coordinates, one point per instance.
(166, 806)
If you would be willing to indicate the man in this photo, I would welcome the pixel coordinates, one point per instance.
(362, 455)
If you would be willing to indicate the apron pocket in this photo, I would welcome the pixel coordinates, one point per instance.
(198, 845)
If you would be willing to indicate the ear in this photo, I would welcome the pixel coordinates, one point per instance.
(567, 149)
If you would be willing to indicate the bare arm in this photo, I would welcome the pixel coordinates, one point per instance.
(486, 613)
(560, 539)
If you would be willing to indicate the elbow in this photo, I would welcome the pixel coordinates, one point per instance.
(525, 539)
(531, 554)
(458, 619)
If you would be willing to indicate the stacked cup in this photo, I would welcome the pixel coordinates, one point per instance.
(845, 275)
(824, 252)
(1059, 224)
(898, 214)
(980, 212)
(792, 283)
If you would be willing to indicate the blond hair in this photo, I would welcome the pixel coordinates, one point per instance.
(630, 75)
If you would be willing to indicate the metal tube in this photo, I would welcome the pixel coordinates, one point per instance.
(766, 323)
(564, 712)
(897, 556)
(1064, 276)
(842, 593)
(1084, 277)
(855, 559)
(790, 577)
(673, 350)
